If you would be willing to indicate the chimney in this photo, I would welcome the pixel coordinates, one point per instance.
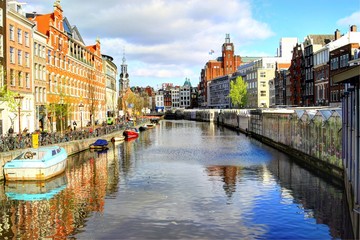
(337, 34)
(353, 28)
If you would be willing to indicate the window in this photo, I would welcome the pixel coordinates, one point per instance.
(262, 74)
(49, 56)
(27, 40)
(35, 49)
(36, 71)
(27, 79)
(12, 55)
(19, 57)
(11, 29)
(1, 45)
(27, 60)
(12, 77)
(263, 93)
(263, 83)
(19, 32)
(1, 17)
(20, 79)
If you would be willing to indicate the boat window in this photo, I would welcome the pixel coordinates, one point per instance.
(53, 152)
(58, 150)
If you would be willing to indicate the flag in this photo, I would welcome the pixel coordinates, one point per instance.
(211, 52)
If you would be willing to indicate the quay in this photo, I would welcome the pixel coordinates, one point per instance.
(72, 147)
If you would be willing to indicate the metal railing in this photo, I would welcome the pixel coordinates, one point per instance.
(11, 142)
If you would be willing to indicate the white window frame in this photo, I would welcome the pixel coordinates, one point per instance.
(11, 32)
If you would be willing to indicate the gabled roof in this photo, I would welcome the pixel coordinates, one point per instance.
(72, 31)
(321, 38)
(76, 34)
(92, 48)
(67, 27)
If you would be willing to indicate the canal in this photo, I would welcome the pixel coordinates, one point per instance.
(180, 180)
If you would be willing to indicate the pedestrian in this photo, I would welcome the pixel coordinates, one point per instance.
(74, 124)
(11, 131)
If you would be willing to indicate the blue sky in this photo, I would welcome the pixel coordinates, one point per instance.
(166, 41)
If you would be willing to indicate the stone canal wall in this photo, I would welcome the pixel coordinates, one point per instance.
(311, 135)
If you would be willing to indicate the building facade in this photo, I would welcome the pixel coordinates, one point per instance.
(39, 75)
(296, 74)
(76, 84)
(19, 68)
(110, 72)
(224, 65)
(343, 50)
(3, 61)
(219, 90)
(312, 43)
(185, 94)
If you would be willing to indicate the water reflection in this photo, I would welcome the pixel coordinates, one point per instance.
(57, 208)
(180, 180)
(35, 190)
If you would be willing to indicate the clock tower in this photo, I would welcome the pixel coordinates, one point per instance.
(229, 65)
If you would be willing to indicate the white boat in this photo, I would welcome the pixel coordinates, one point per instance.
(117, 139)
(36, 164)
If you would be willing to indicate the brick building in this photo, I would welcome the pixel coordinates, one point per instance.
(296, 74)
(74, 72)
(224, 65)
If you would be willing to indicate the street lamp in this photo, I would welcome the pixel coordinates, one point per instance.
(81, 107)
(61, 113)
(18, 100)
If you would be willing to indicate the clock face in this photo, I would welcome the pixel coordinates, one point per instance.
(228, 47)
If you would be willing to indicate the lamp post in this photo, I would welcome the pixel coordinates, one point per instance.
(81, 107)
(18, 100)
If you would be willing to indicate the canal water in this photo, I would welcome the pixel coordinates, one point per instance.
(180, 180)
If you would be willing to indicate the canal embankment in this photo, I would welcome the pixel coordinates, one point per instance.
(312, 136)
(71, 147)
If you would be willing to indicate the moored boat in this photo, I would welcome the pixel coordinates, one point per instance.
(99, 144)
(155, 120)
(36, 164)
(150, 125)
(117, 139)
(142, 128)
(130, 133)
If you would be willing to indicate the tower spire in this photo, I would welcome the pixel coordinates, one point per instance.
(124, 59)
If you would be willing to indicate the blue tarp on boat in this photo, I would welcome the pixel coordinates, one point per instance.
(100, 142)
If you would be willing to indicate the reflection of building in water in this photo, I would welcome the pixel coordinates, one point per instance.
(128, 152)
(228, 173)
(114, 156)
(304, 188)
(60, 216)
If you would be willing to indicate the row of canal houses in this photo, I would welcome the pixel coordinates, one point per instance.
(45, 62)
(302, 74)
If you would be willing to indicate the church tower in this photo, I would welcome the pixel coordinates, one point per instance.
(124, 77)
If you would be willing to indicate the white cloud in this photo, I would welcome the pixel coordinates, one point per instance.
(353, 19)
(168, 37)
